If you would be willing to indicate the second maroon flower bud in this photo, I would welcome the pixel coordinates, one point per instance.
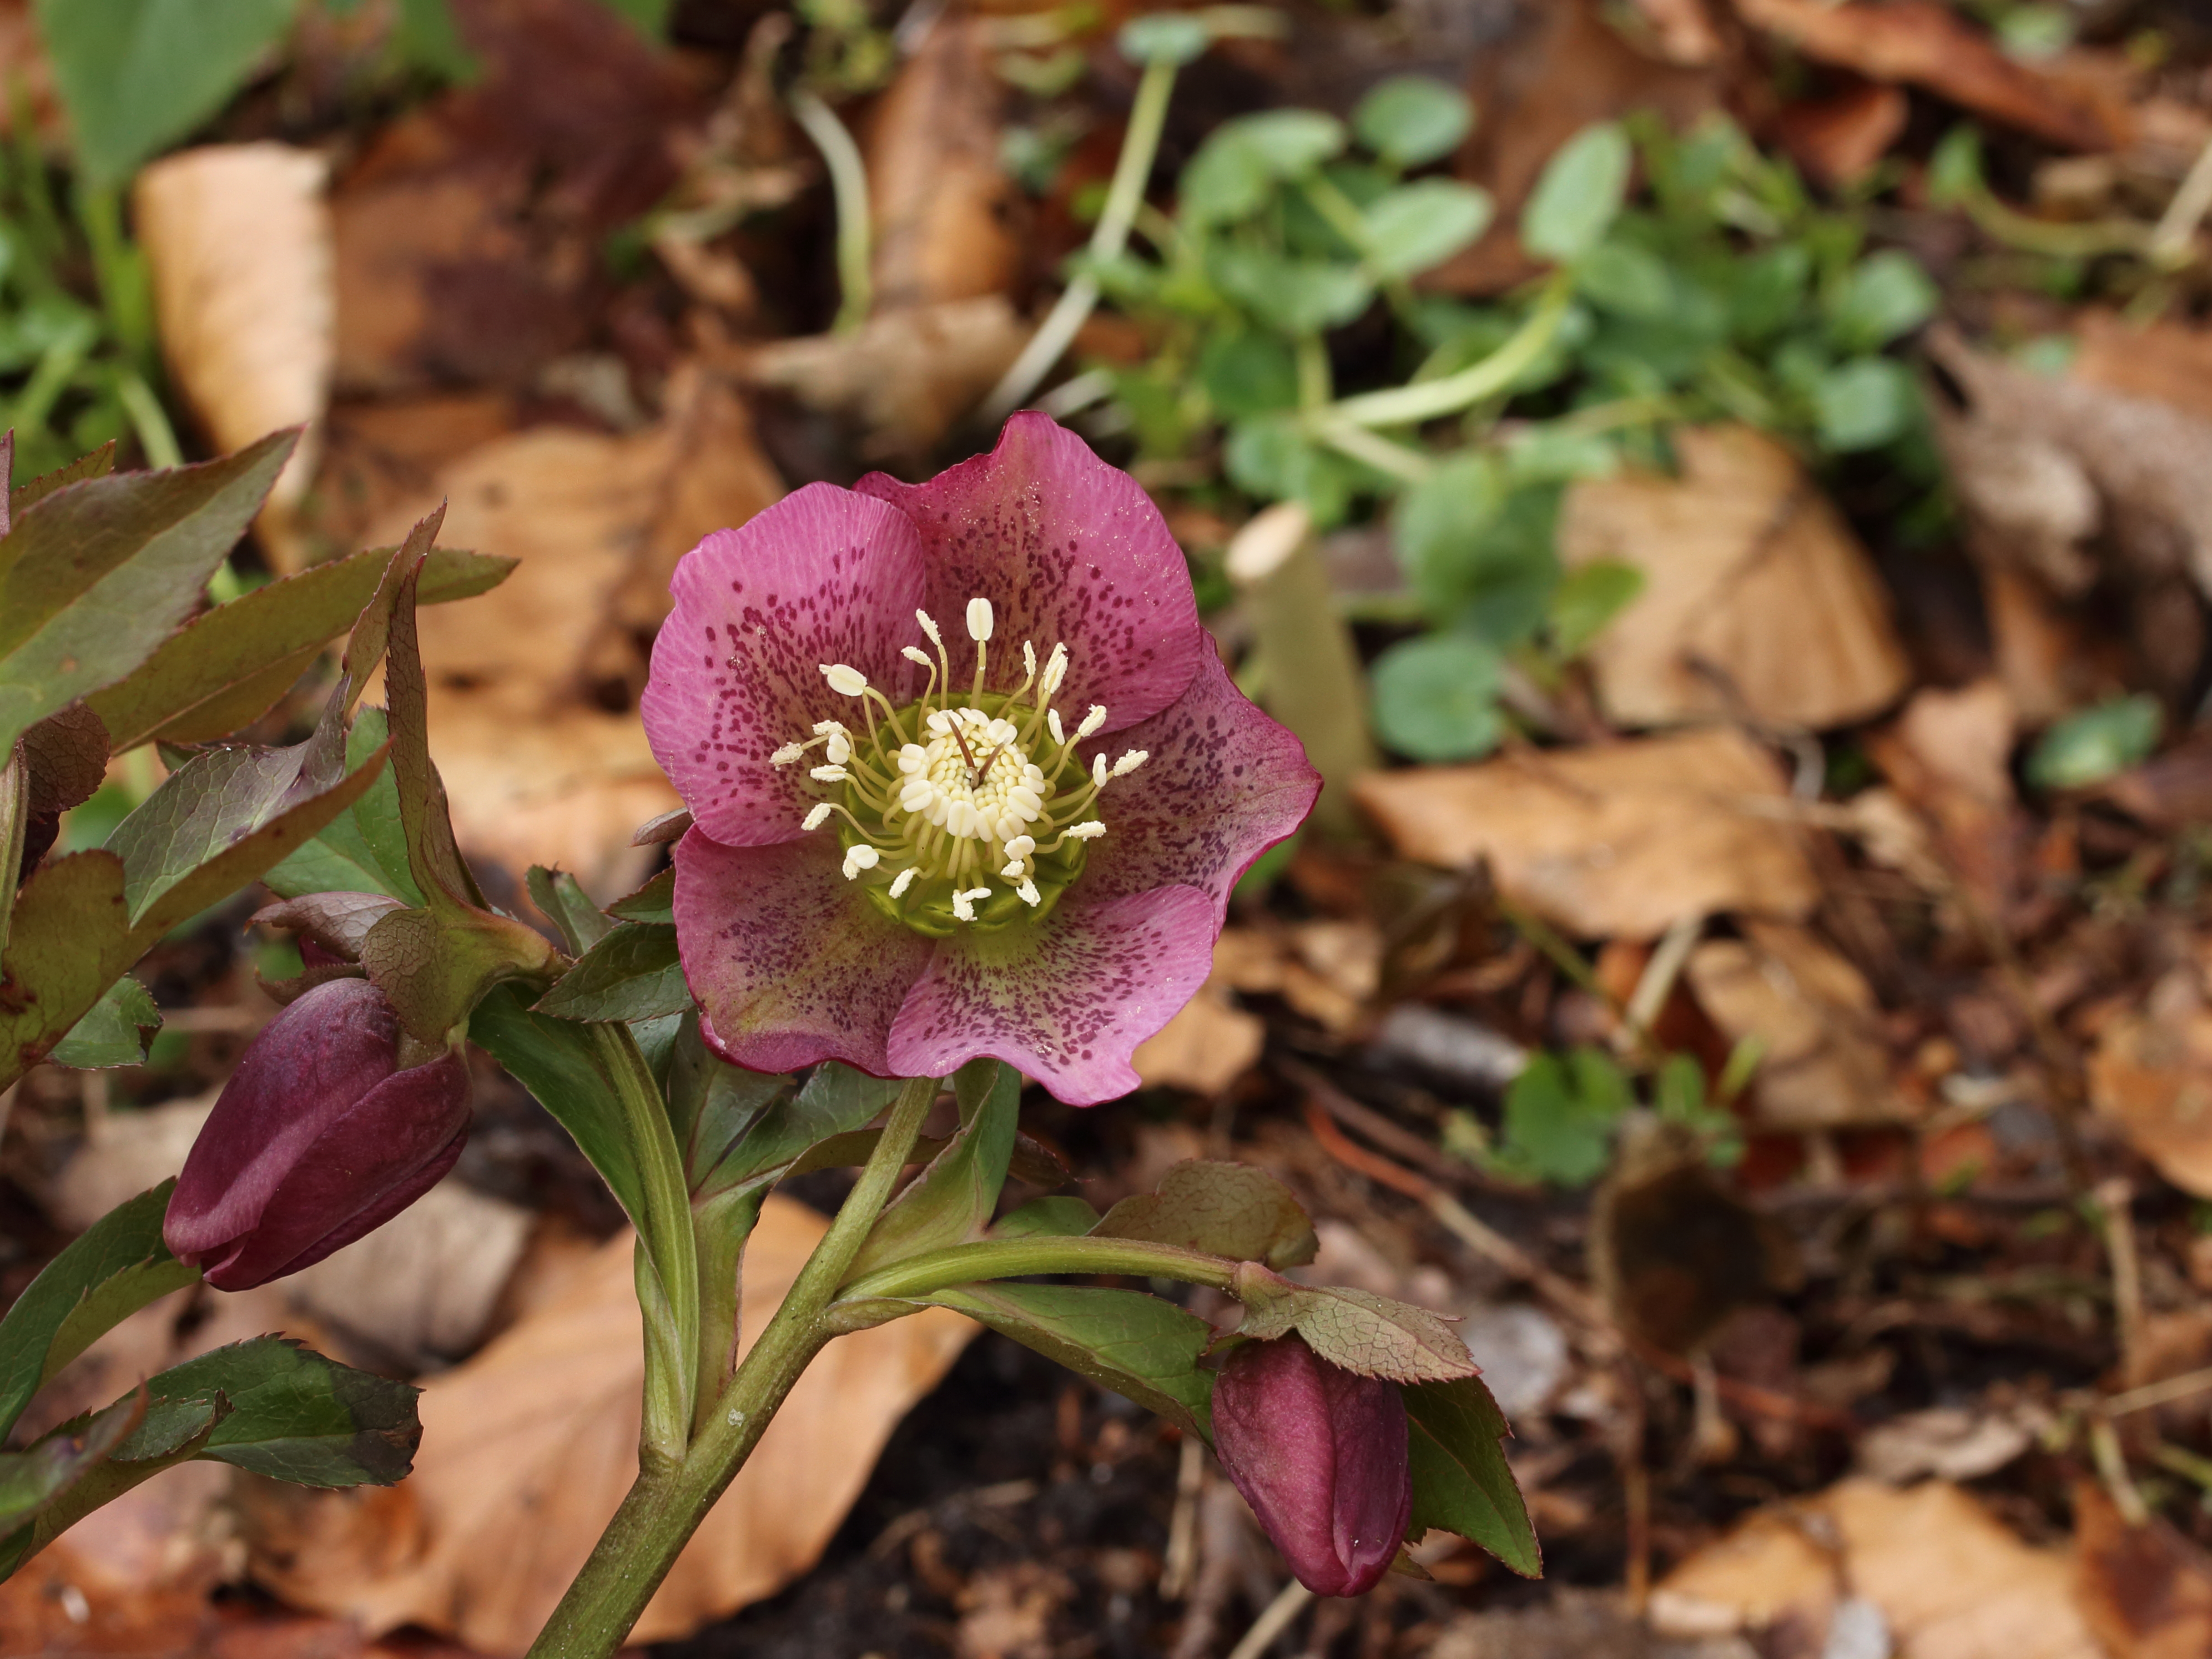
(320, 1136)
(1319, 1453)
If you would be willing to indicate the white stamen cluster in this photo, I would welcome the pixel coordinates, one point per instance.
(954, 789)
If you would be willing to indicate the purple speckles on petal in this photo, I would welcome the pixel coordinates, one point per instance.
(824, 575)
(1068, 1001)
(1222, 785)
(1068, 549)
(789, 963)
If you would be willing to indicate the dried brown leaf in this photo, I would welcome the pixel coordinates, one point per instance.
(2152, 1076)
(1616, 839)
(1812, 1011)
(1758, 599)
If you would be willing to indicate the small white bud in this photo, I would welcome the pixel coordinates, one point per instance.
(1028, 889)
(844, 679)
(786, 756)
(1089, 831)
(979, 620)
(1130, 761)
(860, 858)
(818, 816)
(929, 628)
(1020, 847)
(902, 881)
(838, 774)
(839, 749)
(915, 653)
(1099, 773)
(1091, 721)
(1052, 725)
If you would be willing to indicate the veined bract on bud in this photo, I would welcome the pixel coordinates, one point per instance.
(320, 1137)
(1320, 1453)
(912, 849)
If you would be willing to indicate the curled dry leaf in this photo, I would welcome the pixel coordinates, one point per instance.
(904, 377)
(1813, 1014)
(1925, 45)
(544, 1422)
(943, 205)
(237, 238)
(1613, 841)
(1946, 1578)
(1757, 600)
(538, 769)
(1949, 756)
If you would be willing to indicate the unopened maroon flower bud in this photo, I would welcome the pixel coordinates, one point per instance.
(1319, 1453)
(320, 1136)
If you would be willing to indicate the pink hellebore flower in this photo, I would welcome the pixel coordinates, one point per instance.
(320, 1137)
(1320, 1453)
(966, 777)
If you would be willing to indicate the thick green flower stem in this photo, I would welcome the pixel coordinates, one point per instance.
(1018, 1258)
(671, 1497)
(667, 1256)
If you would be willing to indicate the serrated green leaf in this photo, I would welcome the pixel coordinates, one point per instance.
(631, 974)
(68, 939)
(94, 577)
(22, 497)
(1232, 1210)
(172, 1432)
(1373, 1335)
(564, 902)
(115, 1267)
(655, 902)
(1461, 1480)
(364, 848)
(31, 1479)
(951, 1201)
(1578, 196)
(227, 668)
(137, 75)
(115, 1030)
(1142, 1347)
(1410, 120)
(298, 1416)
(1423, 224)
(557, 1062)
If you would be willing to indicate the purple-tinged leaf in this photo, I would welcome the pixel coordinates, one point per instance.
(1354, 1330)
(22, 497)
(1232, 1210)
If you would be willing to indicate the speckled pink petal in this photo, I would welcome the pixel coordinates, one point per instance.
(1068, 1000)
(1222, 784)
(1067, 549)
(788, 961)
(823, 576)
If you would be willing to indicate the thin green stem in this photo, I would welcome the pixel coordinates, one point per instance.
(1016, 1258)
(667, 1254)
(848, 183)
(1141, 143)
(667, 1503)
(1430, 400)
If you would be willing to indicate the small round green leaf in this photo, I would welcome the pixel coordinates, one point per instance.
(1238, 167)
(1884, 295)
(1412, 119)
(1170, 37)
(1423, 224)
(1864, 403)
(1436, 698)
(2093, 745)
(1578, 195)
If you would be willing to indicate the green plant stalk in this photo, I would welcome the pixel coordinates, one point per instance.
(126, 292)
(1141, 143)
(721, 1224)
(667, 1254)
(1409, 405)
(1015, 1258)
(667, 1503)
(848, 183)
(149, 421)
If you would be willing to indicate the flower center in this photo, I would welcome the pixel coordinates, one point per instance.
(965, 808)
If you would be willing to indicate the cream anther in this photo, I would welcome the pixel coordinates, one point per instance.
(1099, 771)
(1091, 721)
(1089, 831)
(788, 753)
(857, 859)
(979, 620)
(1052, 724)
(839, 750)
(1029, 658)
(844, 679)
(817, 818)
(903, 880)
(838, 774)
(929, 628)
(963, 903)
(1028, 889)
(1020, 847)
(1055, 670)
(1130, 761)
(916, 654)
